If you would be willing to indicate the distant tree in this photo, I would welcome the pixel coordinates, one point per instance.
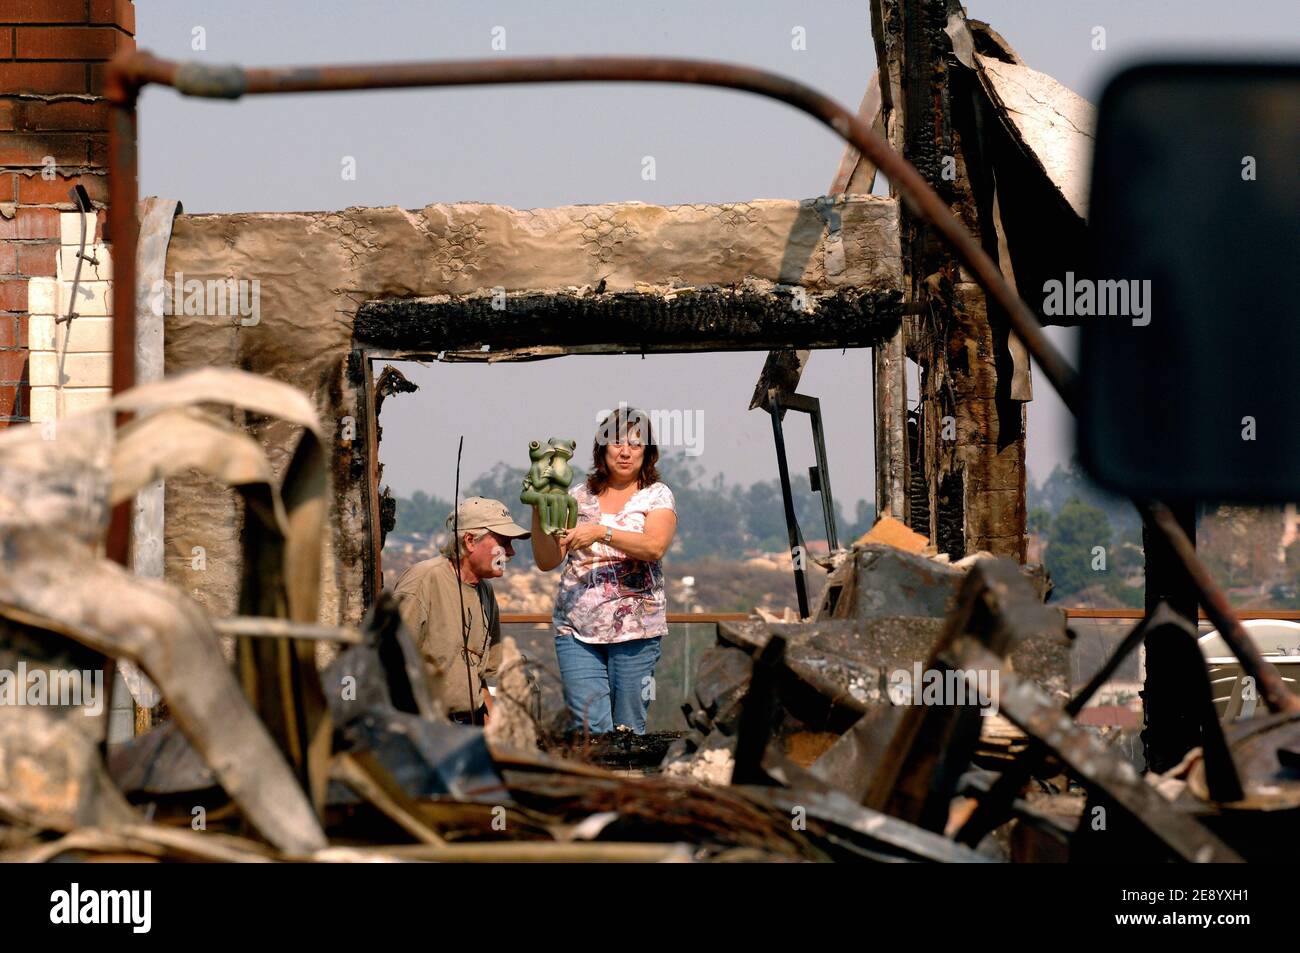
(1287, 592)
(764, 515)
(1067, 482)
(1240, 543)
(709, 519)
(1130, 558)
(1040, 521)
(502, 483)
(808, 509)
(1076, 532)
(1129, 596)
(864, 517)
(421, 515)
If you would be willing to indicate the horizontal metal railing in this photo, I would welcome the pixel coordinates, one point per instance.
(1132, 615)
(544, 618)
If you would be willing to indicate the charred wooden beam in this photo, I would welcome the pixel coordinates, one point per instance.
(722, 319)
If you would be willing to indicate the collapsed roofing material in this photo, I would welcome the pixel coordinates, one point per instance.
(922, 762)
(1053, 124)
(53, 581)
(838, 672)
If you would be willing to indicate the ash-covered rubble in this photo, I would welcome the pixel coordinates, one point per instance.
(881, 612)
(800, 743)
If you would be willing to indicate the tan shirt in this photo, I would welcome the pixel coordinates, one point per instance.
(430, 607)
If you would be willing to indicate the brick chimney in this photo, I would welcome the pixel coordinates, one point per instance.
(54, 136)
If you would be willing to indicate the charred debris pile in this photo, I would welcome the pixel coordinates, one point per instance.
(923, 713)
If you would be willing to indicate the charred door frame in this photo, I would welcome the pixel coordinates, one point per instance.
(545, 325)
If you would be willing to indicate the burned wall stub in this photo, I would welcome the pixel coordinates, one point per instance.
(767, 273)
(967, 441)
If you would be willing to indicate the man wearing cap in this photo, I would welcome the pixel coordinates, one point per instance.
(461, 658)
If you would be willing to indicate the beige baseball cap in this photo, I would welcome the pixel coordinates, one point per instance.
(479, 513)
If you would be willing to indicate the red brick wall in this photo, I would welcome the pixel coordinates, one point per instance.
(52, 55)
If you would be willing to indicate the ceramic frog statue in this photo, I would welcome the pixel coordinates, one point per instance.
(547, 484)
(564, 507)
(538, 473)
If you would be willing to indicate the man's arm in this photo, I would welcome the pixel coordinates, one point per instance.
(414, 610)
(492, 650)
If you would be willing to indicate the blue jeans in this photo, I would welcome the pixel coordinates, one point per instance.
(606, 685)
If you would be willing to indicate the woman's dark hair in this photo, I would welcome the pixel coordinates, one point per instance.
(614, 429)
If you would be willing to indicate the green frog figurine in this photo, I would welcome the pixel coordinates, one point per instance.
(564, 507)
(547, 484)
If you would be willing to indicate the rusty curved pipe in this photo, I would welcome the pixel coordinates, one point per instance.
(128, 74)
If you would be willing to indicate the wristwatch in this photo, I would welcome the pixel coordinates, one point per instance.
(609, 534)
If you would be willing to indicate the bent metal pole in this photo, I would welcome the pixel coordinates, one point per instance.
(130, 73)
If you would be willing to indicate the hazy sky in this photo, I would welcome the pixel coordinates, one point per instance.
(542, 146)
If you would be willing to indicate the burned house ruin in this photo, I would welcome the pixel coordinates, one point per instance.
(211, 556)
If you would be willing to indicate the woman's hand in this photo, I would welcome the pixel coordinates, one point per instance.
(581, 536)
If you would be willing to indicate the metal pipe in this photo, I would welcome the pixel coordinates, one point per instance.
(131, 72)
(122, 232)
